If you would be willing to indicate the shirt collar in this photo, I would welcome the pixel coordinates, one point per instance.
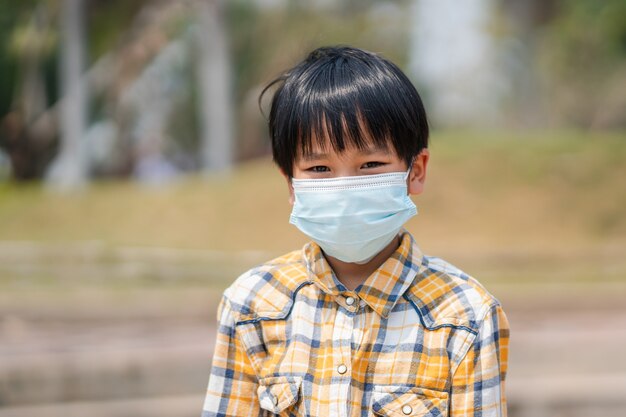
(384, 287)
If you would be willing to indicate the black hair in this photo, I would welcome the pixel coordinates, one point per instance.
(350, 94)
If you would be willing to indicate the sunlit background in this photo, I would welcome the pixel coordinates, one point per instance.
(136, 184)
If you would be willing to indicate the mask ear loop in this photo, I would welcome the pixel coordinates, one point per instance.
(408, 171)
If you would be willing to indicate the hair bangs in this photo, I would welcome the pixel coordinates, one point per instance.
(324, 130)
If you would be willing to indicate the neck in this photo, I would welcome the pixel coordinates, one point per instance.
(352, 275)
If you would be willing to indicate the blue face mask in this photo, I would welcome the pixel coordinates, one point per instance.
(352, 218)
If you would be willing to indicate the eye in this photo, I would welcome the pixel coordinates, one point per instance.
(372, 164)
(318, 168)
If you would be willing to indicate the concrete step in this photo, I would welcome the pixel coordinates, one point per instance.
(556, 396)
(568, 395)
(105, 362)
(168, 406)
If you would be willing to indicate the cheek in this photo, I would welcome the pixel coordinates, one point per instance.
(299, 173)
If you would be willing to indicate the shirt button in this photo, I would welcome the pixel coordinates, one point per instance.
(407, 409)
(350, 300)
(342, 369)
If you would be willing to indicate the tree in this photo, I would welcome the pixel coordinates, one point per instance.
(214, 69)
(69, 169)
(27, 129)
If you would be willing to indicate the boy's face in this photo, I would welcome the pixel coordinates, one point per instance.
(326, 162)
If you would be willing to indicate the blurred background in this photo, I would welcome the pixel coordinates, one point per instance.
(136, 184)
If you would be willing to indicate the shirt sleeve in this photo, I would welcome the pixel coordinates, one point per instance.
(232, 387)
(478, 382)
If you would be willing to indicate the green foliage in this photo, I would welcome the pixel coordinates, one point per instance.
(8, 69)
(13, 14)
(588, 35)
(583, 53)
(107, 22)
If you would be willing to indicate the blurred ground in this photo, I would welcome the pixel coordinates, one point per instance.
(107, 299)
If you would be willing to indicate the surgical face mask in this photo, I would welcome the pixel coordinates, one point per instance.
(352, 218)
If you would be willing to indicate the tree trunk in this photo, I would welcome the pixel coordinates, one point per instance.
(69, 170)
(216, 102)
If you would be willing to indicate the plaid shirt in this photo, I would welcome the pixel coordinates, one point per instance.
(418, 338)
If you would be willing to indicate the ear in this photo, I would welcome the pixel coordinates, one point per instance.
(289, 186)
(417, 176)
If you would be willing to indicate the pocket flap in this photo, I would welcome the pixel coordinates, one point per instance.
(409, 401)
(278, 393)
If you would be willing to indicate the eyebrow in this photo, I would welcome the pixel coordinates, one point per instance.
(314, 156)
(371, 150)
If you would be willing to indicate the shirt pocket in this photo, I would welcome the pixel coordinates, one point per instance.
(279, 395)
(409, 402)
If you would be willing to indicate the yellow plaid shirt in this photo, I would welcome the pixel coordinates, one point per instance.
(418, 338)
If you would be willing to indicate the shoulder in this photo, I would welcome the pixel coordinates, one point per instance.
(444, 295)
(267, 290)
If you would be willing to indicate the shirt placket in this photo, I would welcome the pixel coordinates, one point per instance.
(342, 358)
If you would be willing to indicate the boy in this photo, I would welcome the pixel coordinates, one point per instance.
(359, 322)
